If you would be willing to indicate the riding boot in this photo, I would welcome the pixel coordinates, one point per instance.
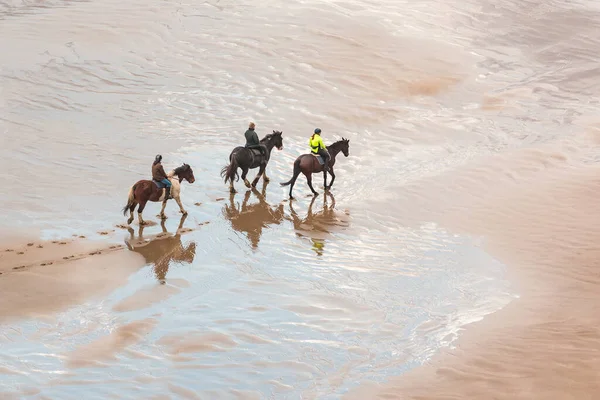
(167, 193)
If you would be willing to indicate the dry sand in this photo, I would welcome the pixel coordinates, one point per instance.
(539, 216)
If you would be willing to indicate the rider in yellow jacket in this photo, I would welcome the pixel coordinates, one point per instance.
(318, 147)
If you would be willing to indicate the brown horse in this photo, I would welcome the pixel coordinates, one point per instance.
(246, 159)
(146, 190)
(308, 164)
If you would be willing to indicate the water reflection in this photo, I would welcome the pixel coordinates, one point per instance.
(251, 219)
(162, 249)
(318, 226)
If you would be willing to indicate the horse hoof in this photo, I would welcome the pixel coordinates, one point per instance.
(267, 180)
(183, 212)
(163, 217)
(129, 221)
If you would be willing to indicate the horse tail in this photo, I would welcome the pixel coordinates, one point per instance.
(296, 173)
(130, 200)
(230, 171)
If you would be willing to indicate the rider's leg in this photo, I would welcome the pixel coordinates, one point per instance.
(167, 184)
(325, 154)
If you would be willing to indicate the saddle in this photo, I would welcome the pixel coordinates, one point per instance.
(256, 154)
(319, 158)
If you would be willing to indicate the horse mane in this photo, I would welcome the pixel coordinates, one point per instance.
(177, 171)
(269, 136)
(339, 142)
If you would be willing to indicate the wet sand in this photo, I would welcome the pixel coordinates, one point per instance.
(39, 278)
(299, 299)
(541, 219)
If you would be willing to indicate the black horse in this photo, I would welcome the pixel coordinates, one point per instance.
(308, 165)
(246, 159)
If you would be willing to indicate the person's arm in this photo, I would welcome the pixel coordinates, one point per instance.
(161, 171)
(322, 144)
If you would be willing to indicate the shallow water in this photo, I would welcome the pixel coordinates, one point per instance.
(270, 298)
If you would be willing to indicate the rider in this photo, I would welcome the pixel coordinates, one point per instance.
(252, 141)
(159, 175)
(318, 147)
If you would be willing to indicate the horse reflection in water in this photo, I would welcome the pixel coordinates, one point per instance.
(251, 219)
(162, 249)
(319, 226)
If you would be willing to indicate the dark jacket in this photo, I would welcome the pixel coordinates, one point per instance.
(158, 172)
(251, 138)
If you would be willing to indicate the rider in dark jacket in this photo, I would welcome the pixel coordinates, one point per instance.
(159, 175)
(252, 141)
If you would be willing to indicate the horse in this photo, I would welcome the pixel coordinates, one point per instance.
(244, 158)
(309, 164)
(146, 190)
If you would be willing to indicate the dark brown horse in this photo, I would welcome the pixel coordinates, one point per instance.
(146, 190)
(246, 159)
(308, 164)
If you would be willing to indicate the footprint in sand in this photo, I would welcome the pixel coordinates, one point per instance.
(8, 250)
(40, 246)
(21, 267)
(44, 264)
(81, 237)
(20, 253)
(63, 243)
(29, 244)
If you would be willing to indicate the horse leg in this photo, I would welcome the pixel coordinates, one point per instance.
(332, 177)
(244, 174)
(260, 172)
(131, 210)
(266, 179)
(162, 211)
(140, 211)
(309, 181)
(324, 180)
(181, 209)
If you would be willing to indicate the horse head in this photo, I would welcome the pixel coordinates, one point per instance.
(277, 139)
(185, 172)
(345, 146)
